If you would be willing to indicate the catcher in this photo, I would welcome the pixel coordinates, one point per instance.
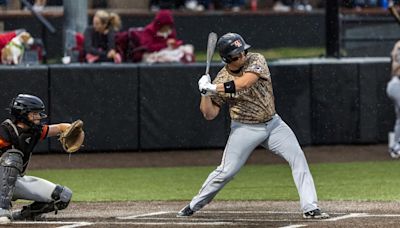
(18, 137)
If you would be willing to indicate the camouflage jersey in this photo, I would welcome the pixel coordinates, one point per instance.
(252, 105)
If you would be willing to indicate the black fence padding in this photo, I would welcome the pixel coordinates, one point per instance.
(104, 96)
(291, 86)
(169, 110)
(335, 103)
(385, 107)
(376, 110)
(24, 79)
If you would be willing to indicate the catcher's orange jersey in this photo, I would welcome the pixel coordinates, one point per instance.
(252, 105)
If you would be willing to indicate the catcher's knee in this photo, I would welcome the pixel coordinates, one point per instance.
(62, 196)
(12, 158)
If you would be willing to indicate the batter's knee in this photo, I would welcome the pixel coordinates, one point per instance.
(62, 196)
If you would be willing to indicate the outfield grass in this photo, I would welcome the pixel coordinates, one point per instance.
(334, 181)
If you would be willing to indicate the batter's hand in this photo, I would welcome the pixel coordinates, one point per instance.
(204, 79)
(208, 89)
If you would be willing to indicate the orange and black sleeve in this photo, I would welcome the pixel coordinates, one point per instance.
(4, 143)
(45, 131)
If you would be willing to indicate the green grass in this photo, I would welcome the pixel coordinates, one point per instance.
(342, 181)
(276, 53)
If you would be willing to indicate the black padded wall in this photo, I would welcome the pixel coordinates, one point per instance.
(291, 86)
(376, 110)
(170, 117)
(105, 97)
(335, 103)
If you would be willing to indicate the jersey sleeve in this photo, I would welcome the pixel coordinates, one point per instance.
(258, 65)
(45, 131)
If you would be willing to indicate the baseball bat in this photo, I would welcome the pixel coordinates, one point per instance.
(211, 42)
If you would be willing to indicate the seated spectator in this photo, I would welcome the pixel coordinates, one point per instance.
(99, 43)
(160, 42)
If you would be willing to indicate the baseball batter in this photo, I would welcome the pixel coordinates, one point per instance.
(18, 137)
(245, 85)
(393, 92)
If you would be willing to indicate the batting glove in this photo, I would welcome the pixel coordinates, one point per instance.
(204, 79)
(207, 89)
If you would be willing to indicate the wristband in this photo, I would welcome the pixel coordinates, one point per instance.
(229, 87)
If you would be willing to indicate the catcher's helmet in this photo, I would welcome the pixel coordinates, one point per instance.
(230, 45)
(23, 104)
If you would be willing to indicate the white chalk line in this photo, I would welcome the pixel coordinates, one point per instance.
(210, 212)
(293, 226)
(65, 224)
(144, 215)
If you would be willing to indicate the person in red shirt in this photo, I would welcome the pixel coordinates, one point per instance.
(18, 137)
(160, 33)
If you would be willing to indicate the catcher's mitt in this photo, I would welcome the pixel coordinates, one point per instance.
(72, 138)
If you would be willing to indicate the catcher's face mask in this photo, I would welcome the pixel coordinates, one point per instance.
(36, 117)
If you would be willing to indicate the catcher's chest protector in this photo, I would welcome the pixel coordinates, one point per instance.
(24, 141)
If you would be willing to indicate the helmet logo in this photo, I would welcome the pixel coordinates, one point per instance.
(237, 43)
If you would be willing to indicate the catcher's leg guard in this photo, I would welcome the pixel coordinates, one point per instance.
(11, 164)
(61, 197)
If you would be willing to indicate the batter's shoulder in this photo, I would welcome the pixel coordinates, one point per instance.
(256, 57)
(222, 76)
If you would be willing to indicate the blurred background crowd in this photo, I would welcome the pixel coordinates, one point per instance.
(104, 40)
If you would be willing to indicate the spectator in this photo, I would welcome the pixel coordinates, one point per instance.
(160, 41)
(393, 92)
(99, 43)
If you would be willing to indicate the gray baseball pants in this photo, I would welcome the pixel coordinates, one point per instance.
(274, 135)
(393, 92)
(33, 188)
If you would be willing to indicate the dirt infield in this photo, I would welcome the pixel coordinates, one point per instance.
(221, 214)
(218, 213)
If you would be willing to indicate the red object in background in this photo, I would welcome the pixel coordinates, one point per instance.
(79, 46)
(5, 38)
(253, 5)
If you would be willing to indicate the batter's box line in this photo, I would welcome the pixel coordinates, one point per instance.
(210, 212)
(360, 215)
(347, 216)
(64, 224)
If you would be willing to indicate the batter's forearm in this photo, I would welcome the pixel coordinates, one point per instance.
(209, 109)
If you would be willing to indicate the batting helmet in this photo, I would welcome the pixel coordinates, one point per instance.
(230, 45)
(23, 104)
